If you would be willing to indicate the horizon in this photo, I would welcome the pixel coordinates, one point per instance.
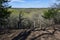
(28, 8)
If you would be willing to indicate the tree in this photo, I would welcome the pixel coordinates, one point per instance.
(51, 14)
(4, 13)
(21, 18)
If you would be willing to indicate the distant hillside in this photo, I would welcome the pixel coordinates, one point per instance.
(27, 11)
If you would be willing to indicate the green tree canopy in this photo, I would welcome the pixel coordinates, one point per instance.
(51, 13)
(4, 12)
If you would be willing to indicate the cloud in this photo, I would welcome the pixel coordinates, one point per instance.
(17, 1)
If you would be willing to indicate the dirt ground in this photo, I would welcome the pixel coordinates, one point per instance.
(33, 35)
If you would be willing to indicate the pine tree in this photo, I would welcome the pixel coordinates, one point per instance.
(4, 13)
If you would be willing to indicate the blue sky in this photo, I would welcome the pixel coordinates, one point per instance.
(31, 3)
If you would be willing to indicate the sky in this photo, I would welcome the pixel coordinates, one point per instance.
(31, 3)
